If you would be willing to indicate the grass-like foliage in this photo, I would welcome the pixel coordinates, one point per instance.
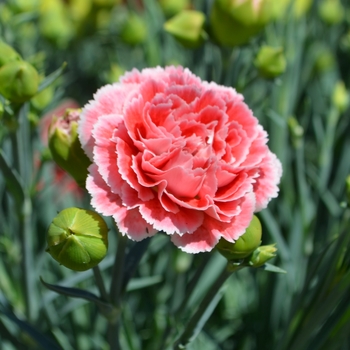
(149, 294)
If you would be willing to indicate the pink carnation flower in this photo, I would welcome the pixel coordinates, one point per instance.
(176, 154)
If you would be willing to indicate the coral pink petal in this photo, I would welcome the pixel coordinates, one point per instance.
(184, 221)
(266, 187)
(102, 199)
(201, 240)
(131, 223)
(108, 100)
(233, 230)
(105, 151)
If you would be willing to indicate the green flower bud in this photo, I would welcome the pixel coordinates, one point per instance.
(301, 7)
(65, 146)
(234, 22)
(270, 61)
(19, 81)
(262, 254)
(331, 11)
(77, 239)
(172, 7)
(245, 245)
(8, 54)
(134, 30)
(296, 131)
(340, 97)
(1, 109)
(325, 60)
(43, 98)
(187, 28)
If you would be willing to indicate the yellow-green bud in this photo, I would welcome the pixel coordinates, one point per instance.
(340, 97)
(270, 61)
(78, 238)
(325, 60)
(262, 254)
(187, 27)
(19, 81)
(8, 54)
(134, 30)
(331, 11)
(1, 109)
(65, 146)
(301, 7)
(172, 7)
(245, 245)
(43, 98)
(234, 22)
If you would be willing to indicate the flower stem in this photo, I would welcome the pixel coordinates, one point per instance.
(190, 329)
(115, 293)
(23, 160)
(100, 283)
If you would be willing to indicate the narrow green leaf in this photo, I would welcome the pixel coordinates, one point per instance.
(43, 341)
(51, 78)
(273, 268)
(132, 260)
(77, 293)
(12, 179)
(139, 283)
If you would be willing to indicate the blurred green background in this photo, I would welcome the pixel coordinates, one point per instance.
(290, 60)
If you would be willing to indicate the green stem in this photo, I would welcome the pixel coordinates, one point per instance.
(180, 309)
(115, 293)
(100, 283)
(22, 147)
(189, 330)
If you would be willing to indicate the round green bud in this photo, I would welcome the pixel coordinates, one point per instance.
(340, 97)
(172, 7)
(43, 98)
(234, 22)
(245, 245)
(270, 62)
(261, 255)
(19, 81)
(331, 11)
(65, 146)
(78, 239)
(134, 30)
(8, 54)
(187, 27)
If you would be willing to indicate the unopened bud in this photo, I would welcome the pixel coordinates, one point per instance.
(340, 97)
(8, 54)
(78, 239)
(65, 146)
(270, 61)
(234, 22)
(1, 109)
(134, 30)
(245, 245)
(172, 7)
(262, 254)
(19, 81)
(331, 11)
(187, 27)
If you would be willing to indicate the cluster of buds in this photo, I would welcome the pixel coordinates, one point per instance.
(19, 80)
(247, 250)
